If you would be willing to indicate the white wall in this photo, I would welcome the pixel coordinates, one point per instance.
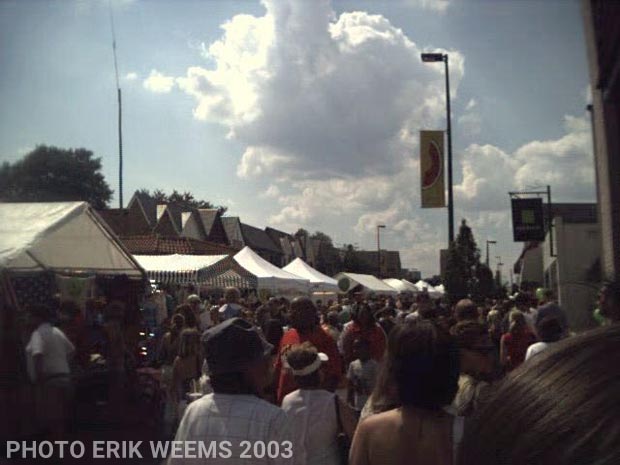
(577, 246)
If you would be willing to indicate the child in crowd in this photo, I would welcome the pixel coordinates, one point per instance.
(361, 375)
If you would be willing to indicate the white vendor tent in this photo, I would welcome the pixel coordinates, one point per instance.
(423, 286)
(318, 281)
(441, 288)
(270, 277)
(401, 285)
(368, 282)
(210, 270)
(66, 237)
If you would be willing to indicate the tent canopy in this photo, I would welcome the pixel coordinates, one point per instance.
(318, 281)
(401, 285)
(210, 270)
(60, 236)
(269, 276)
(423, 286)
(370, 283)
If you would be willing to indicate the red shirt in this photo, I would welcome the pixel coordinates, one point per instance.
(516, 347)
(319, 339)
(374, 335)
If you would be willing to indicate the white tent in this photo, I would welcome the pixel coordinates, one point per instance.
(441, 288)
(423, 286)
(369, 283)
(270, 277)
(401, 285)
(209, 270)
(64, 237)
(318, 281)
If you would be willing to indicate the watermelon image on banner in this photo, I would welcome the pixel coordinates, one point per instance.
(432, 169)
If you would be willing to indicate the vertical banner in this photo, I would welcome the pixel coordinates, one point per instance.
(432, 169)
(528, 220)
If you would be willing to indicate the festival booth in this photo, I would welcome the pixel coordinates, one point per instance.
(321, 286)
(401, 285)
(423, 286)
(271, 280)
(365, 283)
(50, 251)
(205, 271)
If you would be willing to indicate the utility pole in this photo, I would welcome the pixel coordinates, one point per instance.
(379, 227)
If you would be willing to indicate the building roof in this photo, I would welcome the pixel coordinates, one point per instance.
(574, 212)
(230, 224)
(123, 222)
(208, 217)
(149, 205)
(258, 239)
(153, 244)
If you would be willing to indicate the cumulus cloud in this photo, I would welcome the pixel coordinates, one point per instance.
(131, 76)
(327, 109)
(314, 95)
(272, 191)
(435, 5)
(565, 164)
(158, 82)
(470, 123)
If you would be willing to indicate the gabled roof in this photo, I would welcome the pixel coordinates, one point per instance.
(258, 239)
(125, 222)
(230, 224)
(148, 204)
(152, 244)
(208, 217)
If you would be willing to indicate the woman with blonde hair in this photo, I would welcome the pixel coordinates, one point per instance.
(514, 343)
(186, 367)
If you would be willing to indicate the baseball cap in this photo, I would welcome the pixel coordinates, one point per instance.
(233, 345)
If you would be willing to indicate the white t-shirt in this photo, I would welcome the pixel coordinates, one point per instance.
(53, 345)
(216, 418)
(205, 319)
(363, 374)
(313, 412)
(536, 348)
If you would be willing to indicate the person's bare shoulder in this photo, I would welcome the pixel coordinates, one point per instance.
(381, 421)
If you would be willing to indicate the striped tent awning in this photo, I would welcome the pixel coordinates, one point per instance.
(232, 278)
(218, 271)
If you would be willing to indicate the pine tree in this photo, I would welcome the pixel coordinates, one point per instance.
(462, 266)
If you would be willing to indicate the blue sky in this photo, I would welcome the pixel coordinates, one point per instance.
(327, 136)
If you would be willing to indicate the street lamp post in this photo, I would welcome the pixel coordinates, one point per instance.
(489, 242)
(430, 58)
(379, 227)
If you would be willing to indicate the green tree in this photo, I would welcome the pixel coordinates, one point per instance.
(185, 199)
(328, 257)
(351, 261)
(52, 174)
(462, 265)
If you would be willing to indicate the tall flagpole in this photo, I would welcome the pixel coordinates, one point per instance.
(120, 120)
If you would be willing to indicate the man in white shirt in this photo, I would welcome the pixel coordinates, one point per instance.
(239, 426)
(48, 353)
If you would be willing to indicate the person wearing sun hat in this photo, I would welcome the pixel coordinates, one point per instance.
(314, 411)
(305, 327)
(238, 360)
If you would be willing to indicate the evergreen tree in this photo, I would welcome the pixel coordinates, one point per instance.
(462, 266)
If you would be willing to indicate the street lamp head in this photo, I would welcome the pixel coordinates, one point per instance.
(432, 57)
(380, 226)
(491, 242)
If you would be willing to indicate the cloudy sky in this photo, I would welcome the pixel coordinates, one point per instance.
(306, 113)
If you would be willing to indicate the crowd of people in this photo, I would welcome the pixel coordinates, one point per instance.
(381, 380)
